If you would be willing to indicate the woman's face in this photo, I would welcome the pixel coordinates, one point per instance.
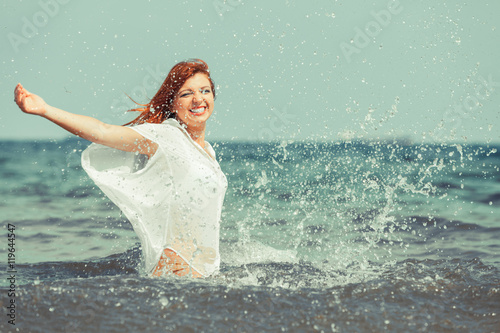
(194, 102)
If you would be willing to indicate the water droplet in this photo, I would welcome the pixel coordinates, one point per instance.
(164, 301)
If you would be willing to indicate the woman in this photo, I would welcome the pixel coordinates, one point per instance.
(160, 172)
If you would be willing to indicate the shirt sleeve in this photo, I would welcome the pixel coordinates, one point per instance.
(165, 135)
(139, 186)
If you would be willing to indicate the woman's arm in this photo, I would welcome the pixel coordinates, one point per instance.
(119, 137)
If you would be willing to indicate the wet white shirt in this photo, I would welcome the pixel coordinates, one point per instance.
(173, 200)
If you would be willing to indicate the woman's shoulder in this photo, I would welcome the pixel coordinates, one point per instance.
(168, 123)
(169, 127)
(210, 150)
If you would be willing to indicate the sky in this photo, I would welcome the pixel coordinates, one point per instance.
(284, 70)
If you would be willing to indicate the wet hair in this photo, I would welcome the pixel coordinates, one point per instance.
(160, 107)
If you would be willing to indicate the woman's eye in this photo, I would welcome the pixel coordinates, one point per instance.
(203, 91)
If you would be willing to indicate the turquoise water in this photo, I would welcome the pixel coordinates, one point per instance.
(364, 236)
(355, 236)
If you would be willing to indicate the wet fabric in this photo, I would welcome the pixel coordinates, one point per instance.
(173, 200)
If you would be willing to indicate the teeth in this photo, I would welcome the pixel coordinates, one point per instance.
(198, 110)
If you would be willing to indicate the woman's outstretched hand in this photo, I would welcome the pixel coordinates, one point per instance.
(28, 102)
(119, 137)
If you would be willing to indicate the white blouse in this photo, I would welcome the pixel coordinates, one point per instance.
(173, 200)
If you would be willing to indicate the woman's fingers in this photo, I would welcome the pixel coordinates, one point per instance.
(20, 94)
(17, 93)
(26, 101)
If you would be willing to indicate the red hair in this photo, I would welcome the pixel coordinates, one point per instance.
(160, 107)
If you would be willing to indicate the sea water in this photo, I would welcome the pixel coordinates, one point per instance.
(315, 237)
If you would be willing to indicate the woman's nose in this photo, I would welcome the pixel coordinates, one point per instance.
(198, 97)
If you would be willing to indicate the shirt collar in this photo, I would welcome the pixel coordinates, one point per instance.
(175, 122)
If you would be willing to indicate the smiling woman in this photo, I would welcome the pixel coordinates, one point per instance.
(160, 172)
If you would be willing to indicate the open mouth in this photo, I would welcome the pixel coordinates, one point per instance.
(198, 111)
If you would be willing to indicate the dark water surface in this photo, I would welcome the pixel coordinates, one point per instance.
(315, 237)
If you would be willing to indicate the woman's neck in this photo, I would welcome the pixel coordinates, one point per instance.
(198, 135)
